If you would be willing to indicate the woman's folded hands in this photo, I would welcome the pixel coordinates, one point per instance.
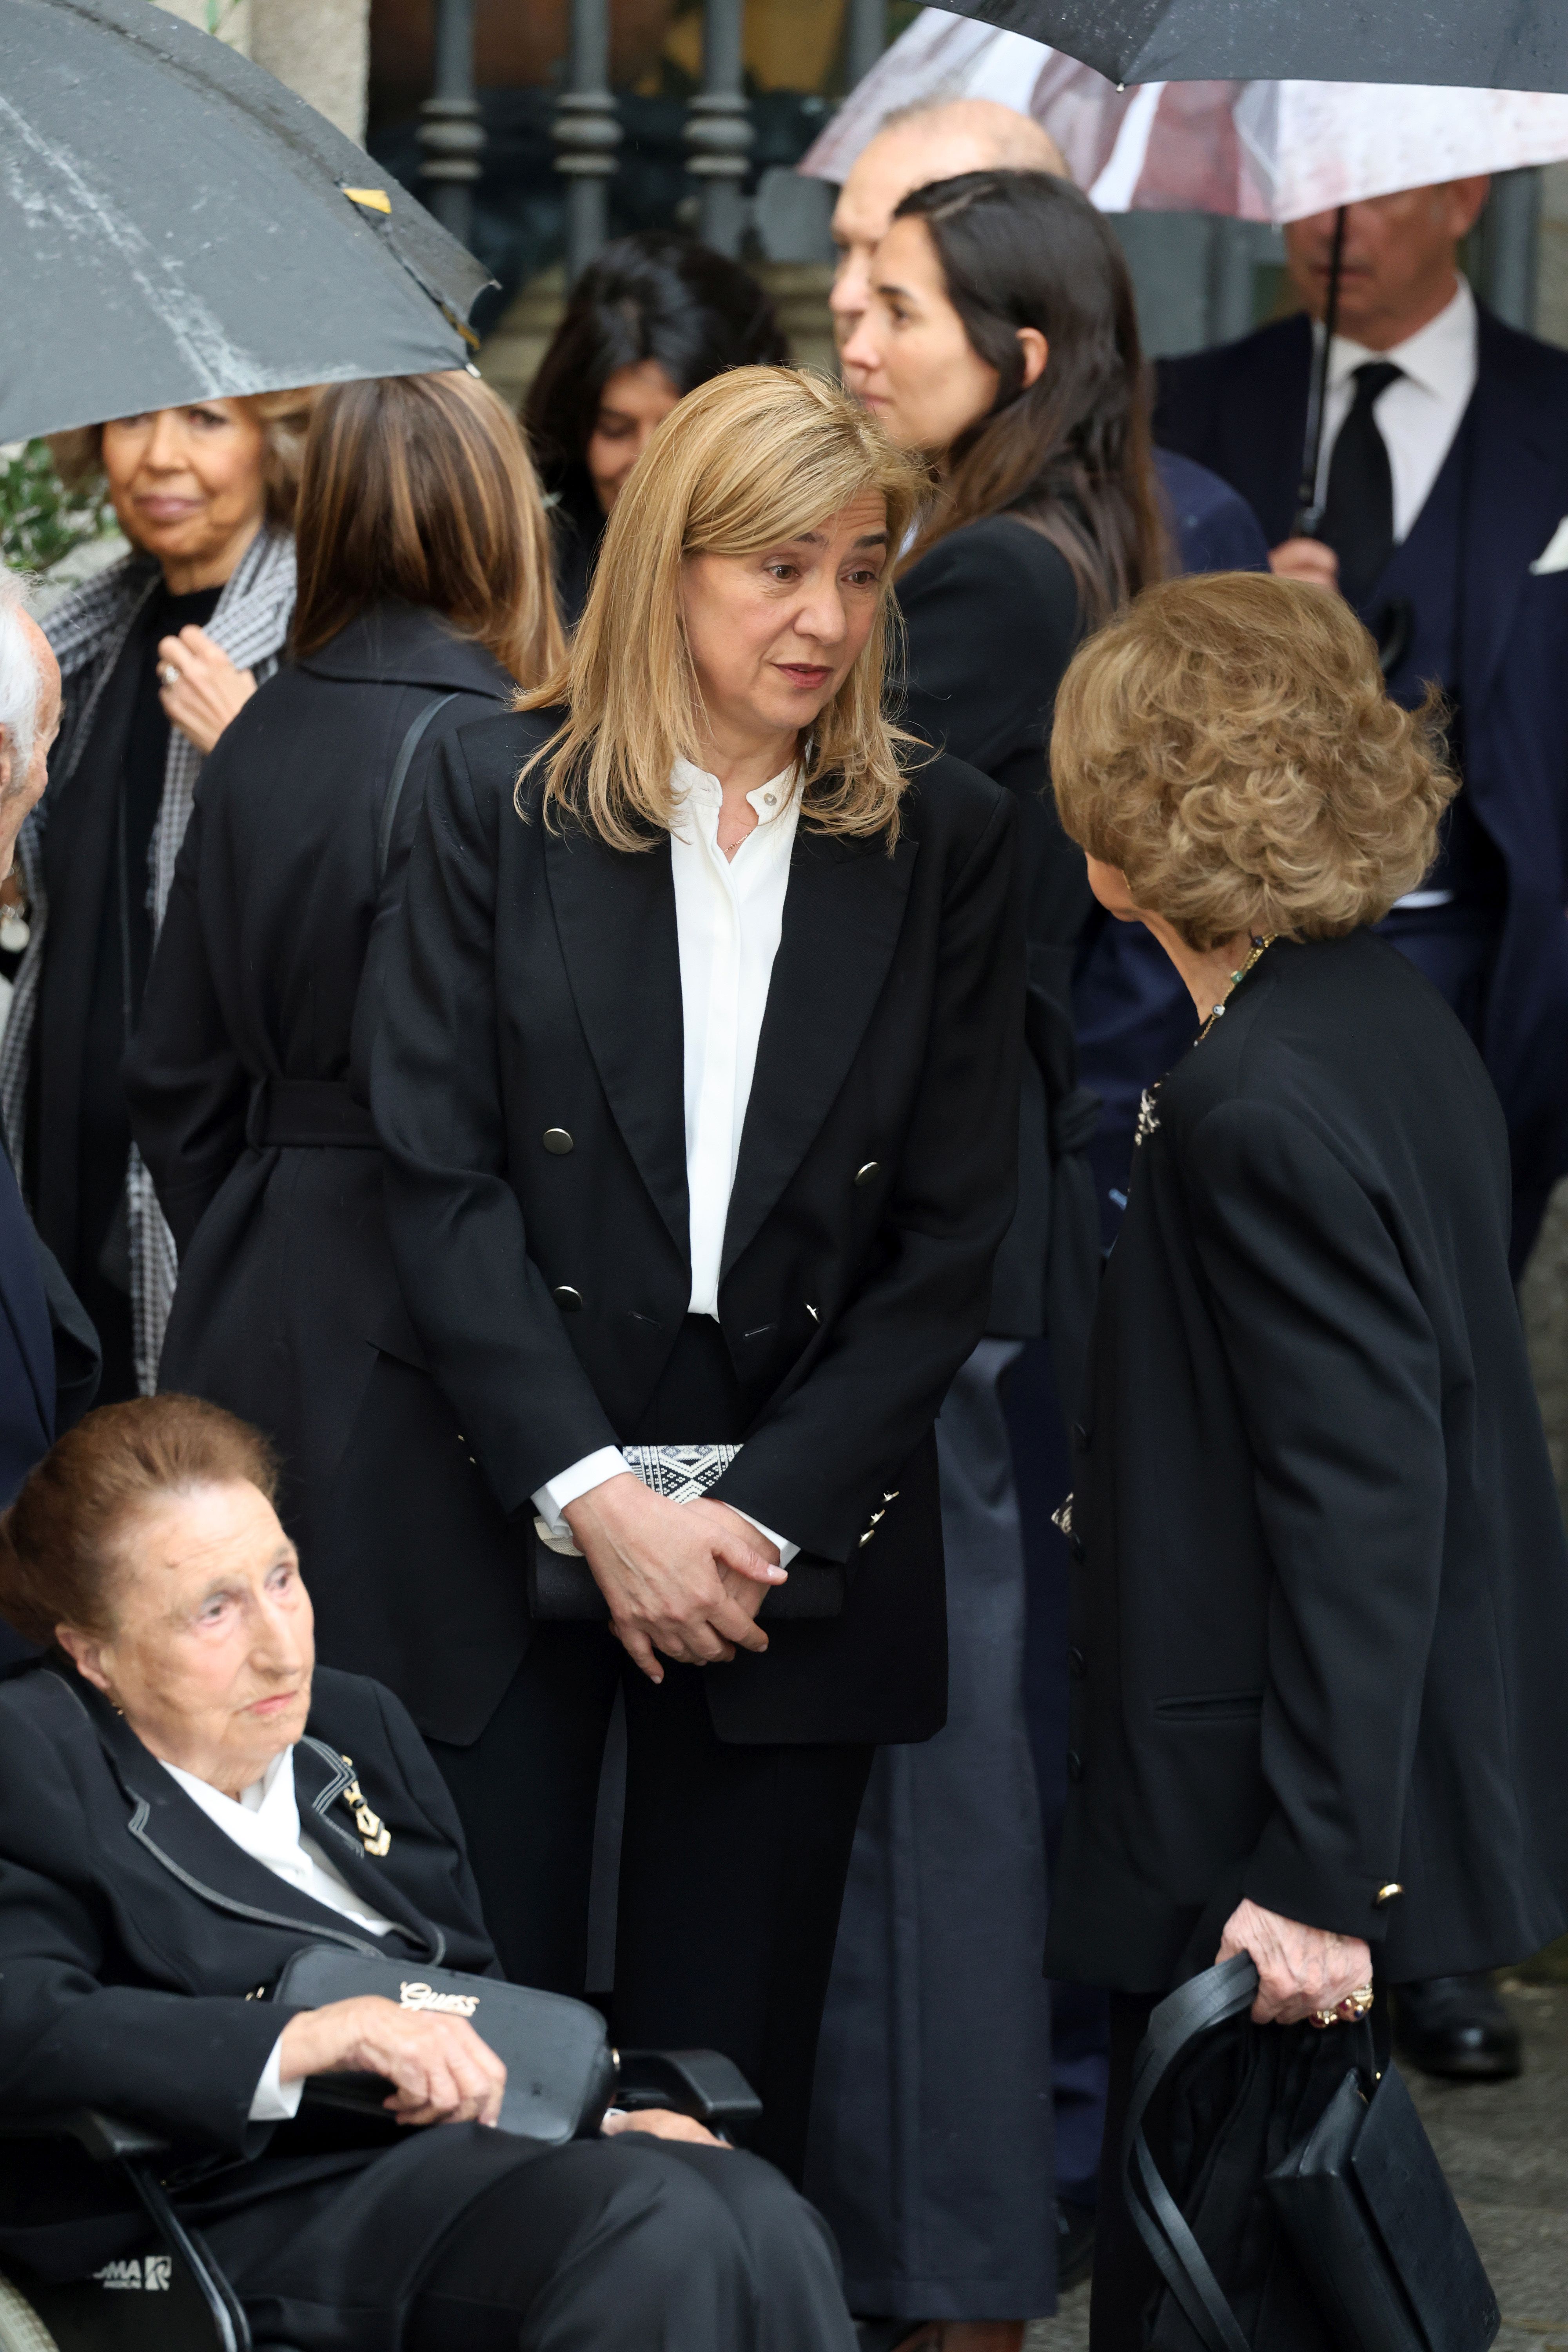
(684, 1577)
(442, 2071)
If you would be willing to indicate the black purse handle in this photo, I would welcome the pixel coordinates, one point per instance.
(1192, 2010)
(409, 745)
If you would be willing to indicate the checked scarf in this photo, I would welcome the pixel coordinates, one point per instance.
(88, 630)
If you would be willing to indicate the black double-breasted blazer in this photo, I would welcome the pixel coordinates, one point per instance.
(249, 1078)
(1320, 1610)
(139, 1949)
(534, 985)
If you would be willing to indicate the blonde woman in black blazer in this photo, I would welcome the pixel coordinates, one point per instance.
(703, 1133)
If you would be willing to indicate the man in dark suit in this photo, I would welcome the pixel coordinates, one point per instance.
(1443, 482)
(34, 1294)
(1443, 479)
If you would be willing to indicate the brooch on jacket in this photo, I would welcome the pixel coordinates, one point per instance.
(1148, 1117)
(374, 1832)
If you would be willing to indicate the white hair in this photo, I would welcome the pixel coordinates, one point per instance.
(20, 683)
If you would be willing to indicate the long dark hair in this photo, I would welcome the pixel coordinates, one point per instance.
(1069, 453)
(654, 296)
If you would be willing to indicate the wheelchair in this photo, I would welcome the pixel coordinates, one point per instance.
(173, 2297)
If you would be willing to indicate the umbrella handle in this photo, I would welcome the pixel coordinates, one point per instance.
(1309, 506)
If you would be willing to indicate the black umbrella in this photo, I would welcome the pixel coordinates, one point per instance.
(177, 225)
(1472, 43)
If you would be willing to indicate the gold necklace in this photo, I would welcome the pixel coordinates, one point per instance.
(1261, 942)
(1148, 1116)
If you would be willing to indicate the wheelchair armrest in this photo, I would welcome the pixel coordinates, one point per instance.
(699, 2083)
(107, 2140)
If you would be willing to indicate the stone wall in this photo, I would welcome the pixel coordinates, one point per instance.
(319, 48)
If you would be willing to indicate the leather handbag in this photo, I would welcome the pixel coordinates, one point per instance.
(560, 1585)
(1362, 2198)
(560, 2071)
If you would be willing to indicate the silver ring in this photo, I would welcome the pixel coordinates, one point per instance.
(169, 673)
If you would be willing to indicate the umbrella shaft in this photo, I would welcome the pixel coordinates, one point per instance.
(1309, 506)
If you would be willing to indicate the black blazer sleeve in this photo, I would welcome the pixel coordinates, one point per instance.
(1335, 1367)
(187, 1088)
(183, 2064)
(481, 1307)
(897, 1345)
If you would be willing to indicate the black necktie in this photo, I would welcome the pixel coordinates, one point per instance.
(1358, 513)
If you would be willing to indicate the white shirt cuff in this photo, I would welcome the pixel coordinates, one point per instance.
(787, 1551)
(551, 1499)
(276, 2102)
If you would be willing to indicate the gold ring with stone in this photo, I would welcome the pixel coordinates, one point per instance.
(1325, 2017)
(1360, 2001)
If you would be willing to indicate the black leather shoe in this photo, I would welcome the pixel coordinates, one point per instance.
(1457, 2026)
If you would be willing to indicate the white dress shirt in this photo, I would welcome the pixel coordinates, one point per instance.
(1418, 415)
(729, 919)
(264, 1819)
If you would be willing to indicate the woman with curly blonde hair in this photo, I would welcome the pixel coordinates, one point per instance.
(1320, 1605)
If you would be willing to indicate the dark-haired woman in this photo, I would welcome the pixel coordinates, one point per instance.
(423, 601)
(651, 320)
(1000, 340)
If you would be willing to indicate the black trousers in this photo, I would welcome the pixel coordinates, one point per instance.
(635, 2245)
(733, 1864)
(733, 1859)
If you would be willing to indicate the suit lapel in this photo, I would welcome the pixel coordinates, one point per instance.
(321, 1777)
(843, 914)
(1511, 503)
(615, 916)
(1270, 453)
(176, 1832)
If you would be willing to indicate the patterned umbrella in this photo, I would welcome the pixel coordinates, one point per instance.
(1264, 151)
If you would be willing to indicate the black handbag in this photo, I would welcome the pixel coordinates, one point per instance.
(1362, 2198)
(560, 2071)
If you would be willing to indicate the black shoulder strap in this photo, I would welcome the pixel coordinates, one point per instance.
(406, 749)
(1192, 2010)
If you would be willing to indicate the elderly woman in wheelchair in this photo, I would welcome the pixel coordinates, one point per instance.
(186, 1805)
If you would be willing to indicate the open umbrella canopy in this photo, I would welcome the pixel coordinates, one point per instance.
(177, 225)
(1475, 44)
(1254, 150)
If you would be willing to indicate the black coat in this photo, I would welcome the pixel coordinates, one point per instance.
(547, 1292)
(993, 616)
(1321, 1607)
(261, 976)
(48, 1355)
(1242, 410)
(138, 1947)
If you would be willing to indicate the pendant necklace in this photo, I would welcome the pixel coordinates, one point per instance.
(1148, 1117)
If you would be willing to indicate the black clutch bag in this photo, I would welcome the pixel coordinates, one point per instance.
(1362, 2198)
(560, 2072)
(560, 1585)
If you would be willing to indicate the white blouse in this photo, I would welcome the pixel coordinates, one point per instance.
(264, 1820)
(729, 919)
